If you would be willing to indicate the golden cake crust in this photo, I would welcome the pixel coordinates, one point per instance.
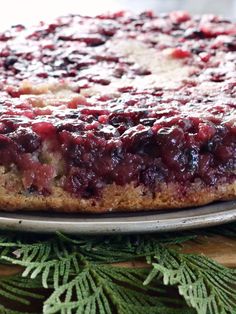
(114, 198)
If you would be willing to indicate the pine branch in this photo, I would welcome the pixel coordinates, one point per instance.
(101, 289)
(4, 310)
(17, 289)
(119, 248)
(82, 279)
(205, 285)
(37, 264)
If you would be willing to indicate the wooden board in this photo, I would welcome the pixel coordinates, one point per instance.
(219, 248)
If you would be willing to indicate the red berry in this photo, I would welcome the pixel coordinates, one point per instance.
(205, 57)
(179, 16)
(103, 119)
(44, 129)
(205, 131)
(180, 53)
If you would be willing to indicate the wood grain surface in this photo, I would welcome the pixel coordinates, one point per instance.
(219, 248)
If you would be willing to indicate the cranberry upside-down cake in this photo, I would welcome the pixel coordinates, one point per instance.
(118, 112)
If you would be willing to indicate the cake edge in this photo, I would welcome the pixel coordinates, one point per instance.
(114, 198)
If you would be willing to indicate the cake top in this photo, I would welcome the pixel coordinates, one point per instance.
(120, 73)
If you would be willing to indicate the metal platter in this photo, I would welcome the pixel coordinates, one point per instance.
(158, 221)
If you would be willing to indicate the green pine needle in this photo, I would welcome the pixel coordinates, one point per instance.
(98, 290)
(205, 285)
(16, 289)
(77, 274)
(4, 310)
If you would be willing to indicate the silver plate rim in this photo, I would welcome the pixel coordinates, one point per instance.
(42, 222)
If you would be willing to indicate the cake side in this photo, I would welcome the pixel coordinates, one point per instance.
(114, 198)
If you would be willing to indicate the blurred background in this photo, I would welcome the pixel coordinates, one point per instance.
(32, 11)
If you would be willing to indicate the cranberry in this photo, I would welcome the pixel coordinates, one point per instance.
(142, 71)
(170, 136)
(193, 159)
(108, 30)
(90, 40)
(205, 57)
(9, 61)
(127, 170)
(42, 74)
(141, 141)
(193, 33)
(7, 127)
(153, 175)
(125, 89)
(180, 53)
(18, 27)
(179, 16)
(99, 80)
(106, 165)
(231, 46)
(4, 141)
(43, 129)
(5, 36)
(108, 58)
(115, 15)
(214, 29)
(224, 153)
(206, 132)
(83, 64)
(147, 14)
(103, 119)
(205, 162)
(26, 140)
(83, 182)
(174, 159)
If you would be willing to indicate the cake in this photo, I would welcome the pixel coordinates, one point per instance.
(118, 112)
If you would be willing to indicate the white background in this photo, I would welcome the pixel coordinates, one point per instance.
(32, 11)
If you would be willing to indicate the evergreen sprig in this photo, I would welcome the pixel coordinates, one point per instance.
(205, 285)
(83, 274)
(20, 291)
